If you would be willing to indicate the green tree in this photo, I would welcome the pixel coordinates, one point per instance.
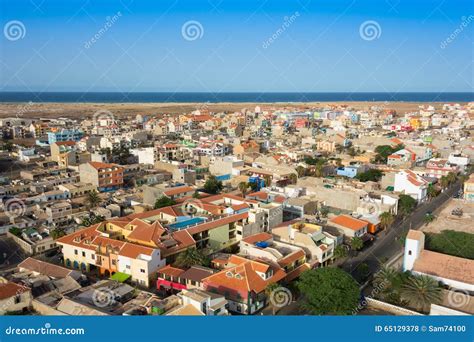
(243, 187)
(373, 175)
(268, 180)
(406, 204)
(431, 192)
(213, 185)
(191, 257)
(328, 291)
(421, 291)
(15, 231)
(300, 170)
(452, 178)
(356, 243)
(444, 182)
(93, 199)
(57, 233)
(383, 151)
(386, 219)
(293, 178)
(340, 252)
(428, 218)
(164, 201)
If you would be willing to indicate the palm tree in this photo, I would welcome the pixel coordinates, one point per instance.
(428, 218)
(300, 170)
(191, 257)
(318, 170)
(243, 187)
(356, 243)
(444, 182)
(268, 180)
(340, 252)
(386, 219)
(451, 177)
(421, 291)
(431, 192)
(93, 199)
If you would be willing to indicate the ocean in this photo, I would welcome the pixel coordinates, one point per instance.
(163, 97)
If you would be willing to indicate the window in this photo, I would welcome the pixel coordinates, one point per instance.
(114, 262)
(127, 267)
(83, 254)
(75, 251)
(409, 252)
(142, 270)
(92, 256)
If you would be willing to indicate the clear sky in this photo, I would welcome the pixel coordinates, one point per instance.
(240, 45)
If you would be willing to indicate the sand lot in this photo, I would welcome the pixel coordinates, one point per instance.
(444, 220)
(83, 110)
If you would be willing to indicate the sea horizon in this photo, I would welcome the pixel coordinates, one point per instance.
(230, 97)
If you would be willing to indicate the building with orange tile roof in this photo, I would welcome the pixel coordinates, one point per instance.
(105, 176)
(243, 283)
(349, 226)
(409, 183)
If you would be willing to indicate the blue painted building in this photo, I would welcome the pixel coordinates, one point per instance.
(65, 135)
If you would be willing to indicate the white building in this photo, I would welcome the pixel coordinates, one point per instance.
(409, 183)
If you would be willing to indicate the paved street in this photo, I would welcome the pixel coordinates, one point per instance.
(388, 244)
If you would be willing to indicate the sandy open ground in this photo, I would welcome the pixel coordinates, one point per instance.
(444, 220)
(83, 110)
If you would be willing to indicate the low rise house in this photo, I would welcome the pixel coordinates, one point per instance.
(14, 298)
(350, 226)
(409, 183)
(105, 176)
(197, 302)
(243, 283)
(318, 245)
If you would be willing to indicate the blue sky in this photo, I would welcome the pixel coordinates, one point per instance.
(320, 49)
